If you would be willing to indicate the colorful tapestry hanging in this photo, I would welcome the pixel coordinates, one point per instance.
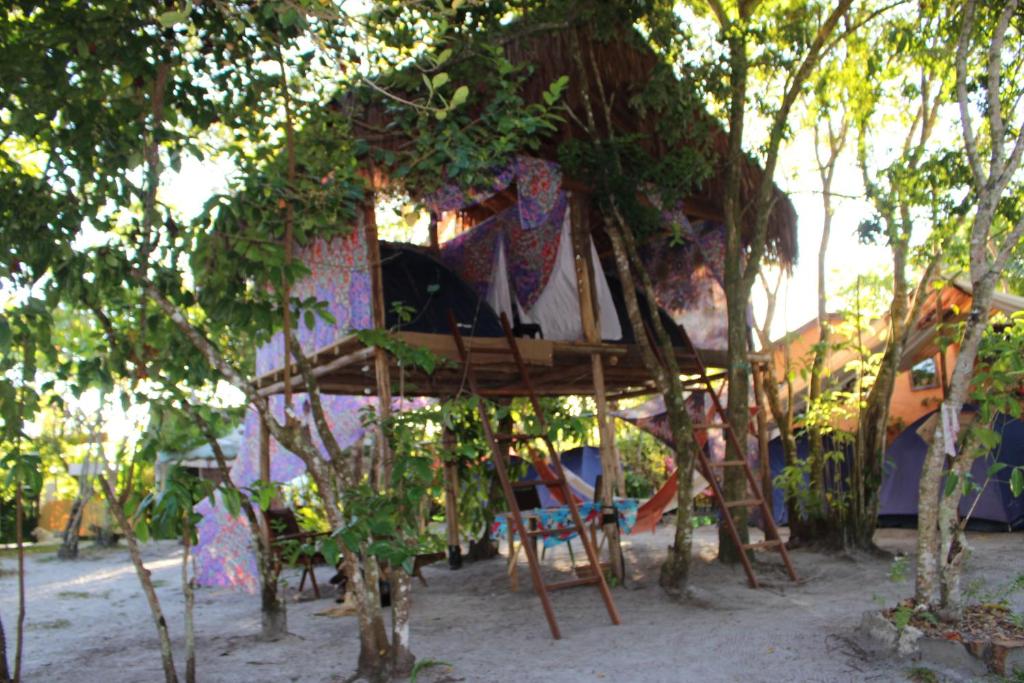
(339, 277)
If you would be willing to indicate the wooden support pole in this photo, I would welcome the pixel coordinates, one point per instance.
(767, 490)
(579, 208)
(264, 452)
(451, 500)
(435, 242)
(380, 358)
(360, 356)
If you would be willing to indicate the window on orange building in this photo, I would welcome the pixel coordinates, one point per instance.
(924, 375)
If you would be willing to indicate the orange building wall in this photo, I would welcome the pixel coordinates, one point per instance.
(53, 516)
(908, 404)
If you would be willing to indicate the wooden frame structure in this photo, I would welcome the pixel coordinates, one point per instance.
(605, 371)
(591, 367)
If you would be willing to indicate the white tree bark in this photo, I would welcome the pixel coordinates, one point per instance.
(940, 547)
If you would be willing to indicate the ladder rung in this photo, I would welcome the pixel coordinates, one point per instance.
(552, 532)
(571, 583)
(762, 544)
(744, 502)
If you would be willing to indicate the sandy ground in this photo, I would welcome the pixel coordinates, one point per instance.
(88, 621)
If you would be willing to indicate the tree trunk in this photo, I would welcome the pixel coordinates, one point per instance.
(737, 296)
(5, 671)
(69, 542)
(941, 545)
(872, 425)
(402, 658)
(273, 610)
(188, 590)
(738, 413)
(374, 648)
(783, 417)
(675, 571)
(19, 516)
(166, 652)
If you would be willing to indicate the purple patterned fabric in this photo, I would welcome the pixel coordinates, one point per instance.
(652, 417)
(530, 230)
(340, 277)
(711, 240)
(452, 197)
(224, 554)
(540, 196)
(539, 185)
(532, 251)
(688, 277)
(471, 254)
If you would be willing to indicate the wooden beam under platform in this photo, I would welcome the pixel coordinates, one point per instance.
(557, 368)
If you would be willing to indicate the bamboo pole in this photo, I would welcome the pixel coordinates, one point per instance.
(451, 500)
(348, 359)
(590, 320)
(264, 452)
(380, 357)
(762, 443)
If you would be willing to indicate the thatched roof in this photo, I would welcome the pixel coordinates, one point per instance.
(626, 65)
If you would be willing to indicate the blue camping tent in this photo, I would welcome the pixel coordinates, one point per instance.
(777, 460)
(997, 509)
(585, 462)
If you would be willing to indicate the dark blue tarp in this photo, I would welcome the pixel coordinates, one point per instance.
(585, 462)
(996, 509)
(777, 461)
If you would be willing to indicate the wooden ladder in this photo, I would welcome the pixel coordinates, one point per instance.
(719, 420)
(507, 486)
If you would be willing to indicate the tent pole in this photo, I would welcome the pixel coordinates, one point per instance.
(579, 208)
(382, 369)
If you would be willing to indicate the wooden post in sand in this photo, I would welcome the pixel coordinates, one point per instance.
(380, 357)
(579, 209)
(451, 500)
(760, 369)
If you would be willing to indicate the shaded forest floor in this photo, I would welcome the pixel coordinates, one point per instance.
(88, 621)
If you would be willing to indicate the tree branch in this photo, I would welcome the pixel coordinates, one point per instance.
(995, 106)
(970, 142)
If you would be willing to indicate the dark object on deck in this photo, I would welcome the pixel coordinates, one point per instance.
(531, 330)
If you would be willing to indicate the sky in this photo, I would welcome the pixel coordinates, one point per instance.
(846, 256)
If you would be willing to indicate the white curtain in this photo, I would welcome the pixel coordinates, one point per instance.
(557, 309)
